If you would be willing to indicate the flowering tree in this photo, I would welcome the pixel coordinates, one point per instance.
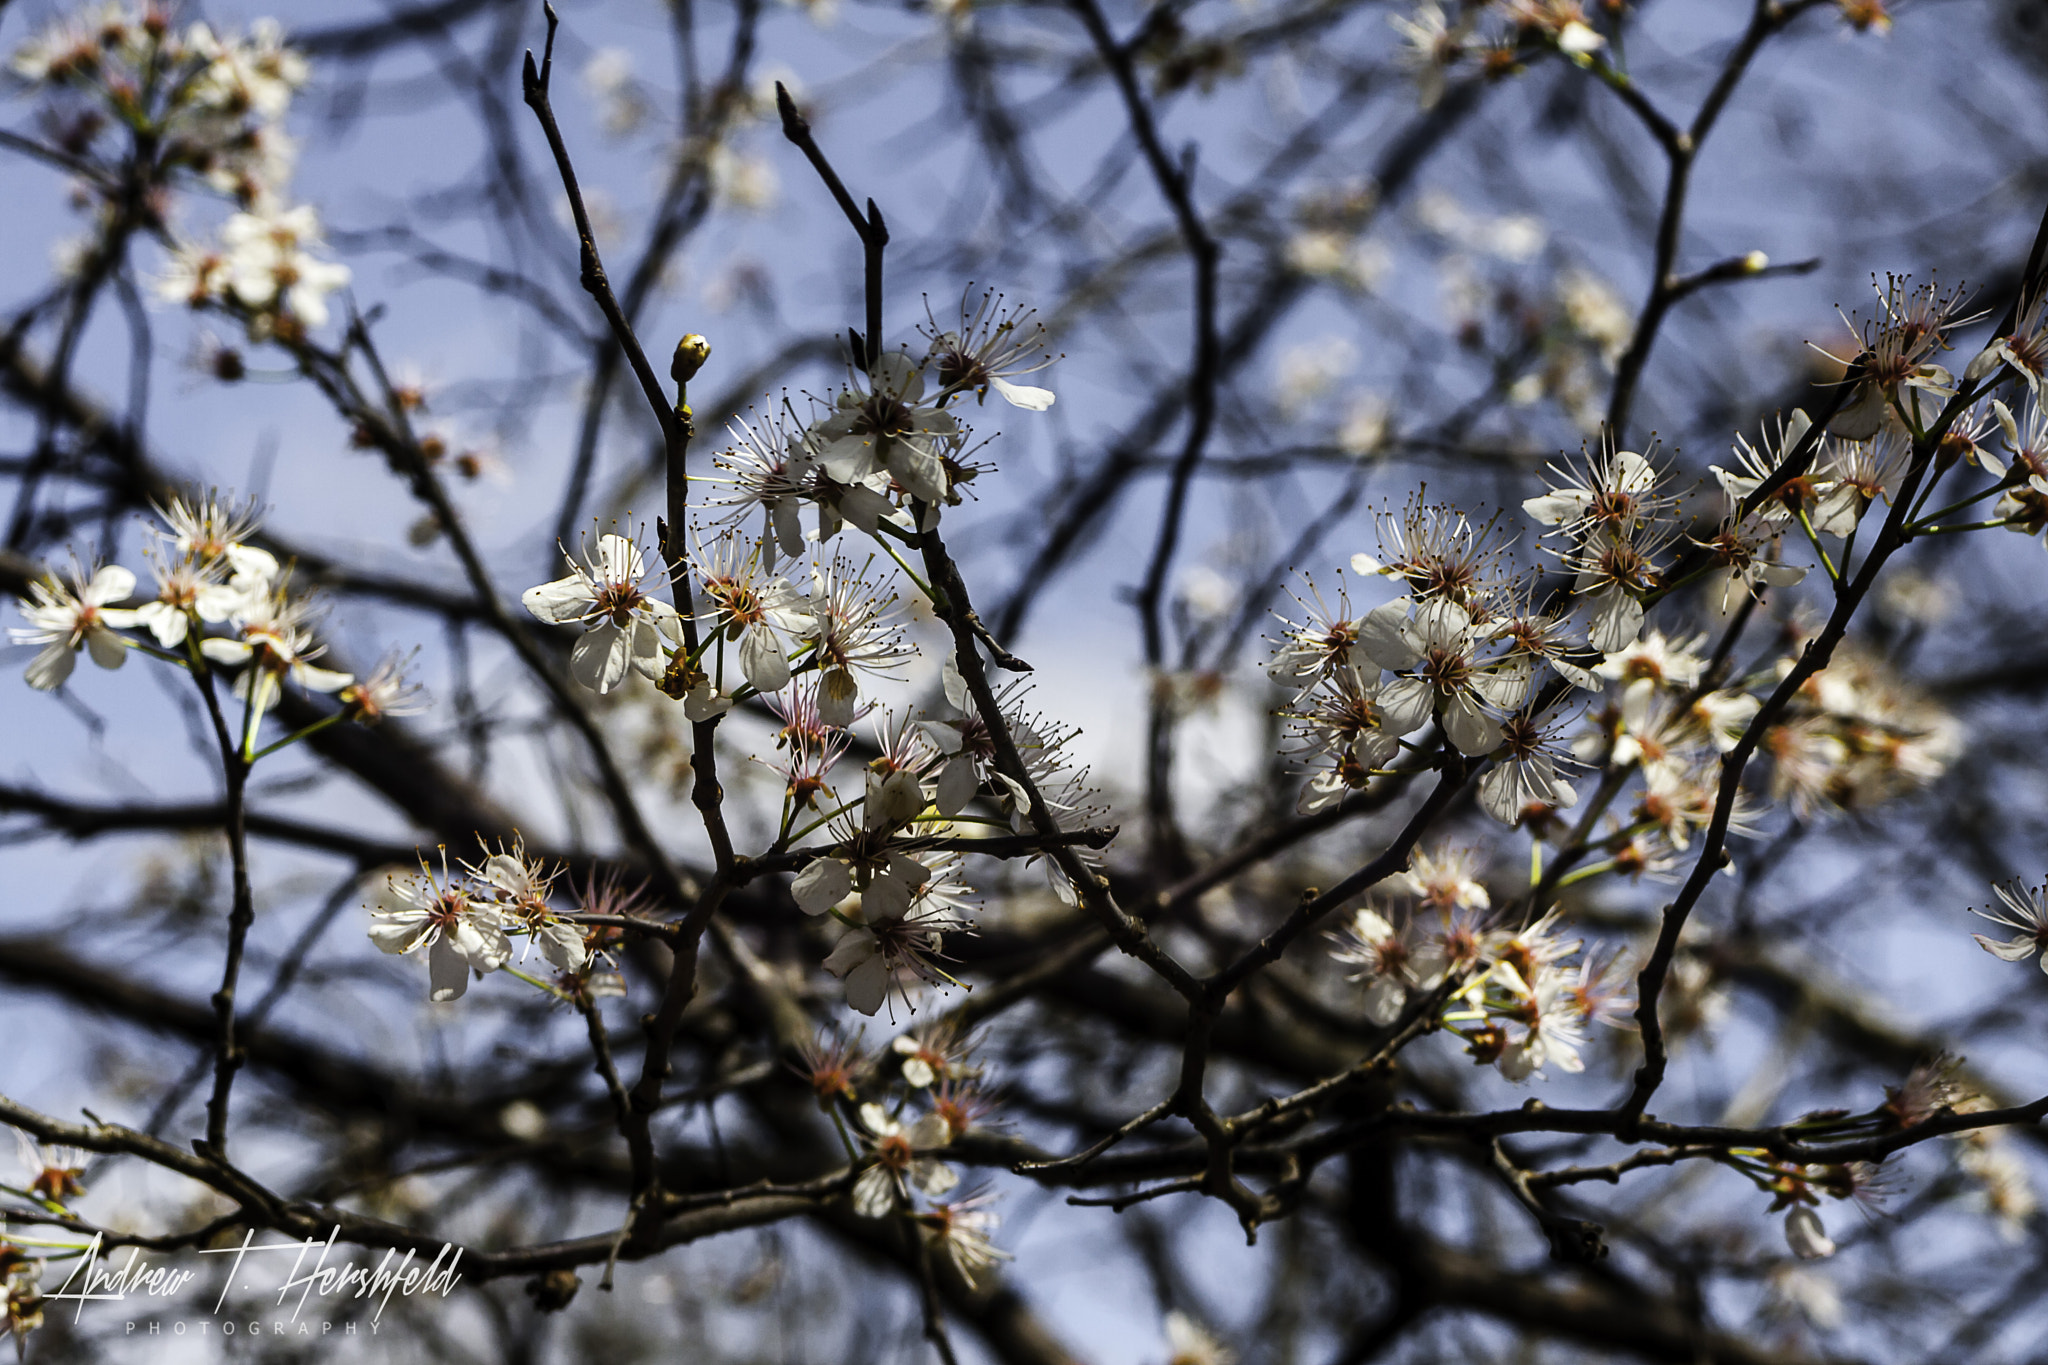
(1484, 916)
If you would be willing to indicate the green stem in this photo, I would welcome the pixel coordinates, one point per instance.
(1806, 525)
(293, 738)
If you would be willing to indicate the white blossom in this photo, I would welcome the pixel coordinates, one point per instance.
(64, 617)
(623, 626)
(460, 932)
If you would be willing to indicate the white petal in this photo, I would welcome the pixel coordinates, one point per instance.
(644, 643)
(1469, 728)
(837, 693)
(399, 933)
(601, 658)
(1405, 704)
(48, 670)
(1384, 637)
(934, 1177)
(822, 884)
(562, 944)
(956, 786)
(447, 971)
(619, 560)
(867, 985)
(2017, 950)
(955, 686)
(108, 650)
(226, 651)
(563, 601)
(874, 1194)
(916, 466)
(762, 660)
(1617, 619)
(1022, 395)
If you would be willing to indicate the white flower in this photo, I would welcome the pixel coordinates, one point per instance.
(1913, 326)
(773, 465)
(1442, 880)
(964, 1229)
(186, 588)
(1524, 774)
(1552, 1030)
(992, 346)
(746, 603)
(1442, 645)
(2026, 909)
(1616, 491)
(272, 647)
(890, 427)
(384, 693)
(194, 275)
(852, 630)
(901, 1163)
(63, 618)
(1429, 45)
(895, 785)
(257, 73)
(2006, 1190)
(1805, 1234)
(458, 930)
(214, 529)
(1323, 644)
(1388, 964)
(270, 267)
(888, 940)
(623, 625)
(522, 885)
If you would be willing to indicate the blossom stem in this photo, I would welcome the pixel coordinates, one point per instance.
(1958, 505)
(827, 818)
(1806, 525)
(1582, 873)
(930, 595)
(295, 736)
(1924, 530)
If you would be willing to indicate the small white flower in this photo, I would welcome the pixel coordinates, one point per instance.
(384, 693)
(459, 931)
(747, 604)
(522, 885)
(270, 268)
(186, 588)
(272, 647)
(852, 630)
(1442, 645)
(1551, 1028)
(901, 1163)
(1189, 1343)
(964, 1229)
(892, 938)
(992, 346)
(623, 625)
(2026, 909)
(890, 427)
(66, 617)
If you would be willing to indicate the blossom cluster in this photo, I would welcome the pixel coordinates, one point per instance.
(1497, 38)
(907, 1103)
(812, 632)
(1509, 992)
(209, 103)
(205, 107)
(464, 923)
(220, 601)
